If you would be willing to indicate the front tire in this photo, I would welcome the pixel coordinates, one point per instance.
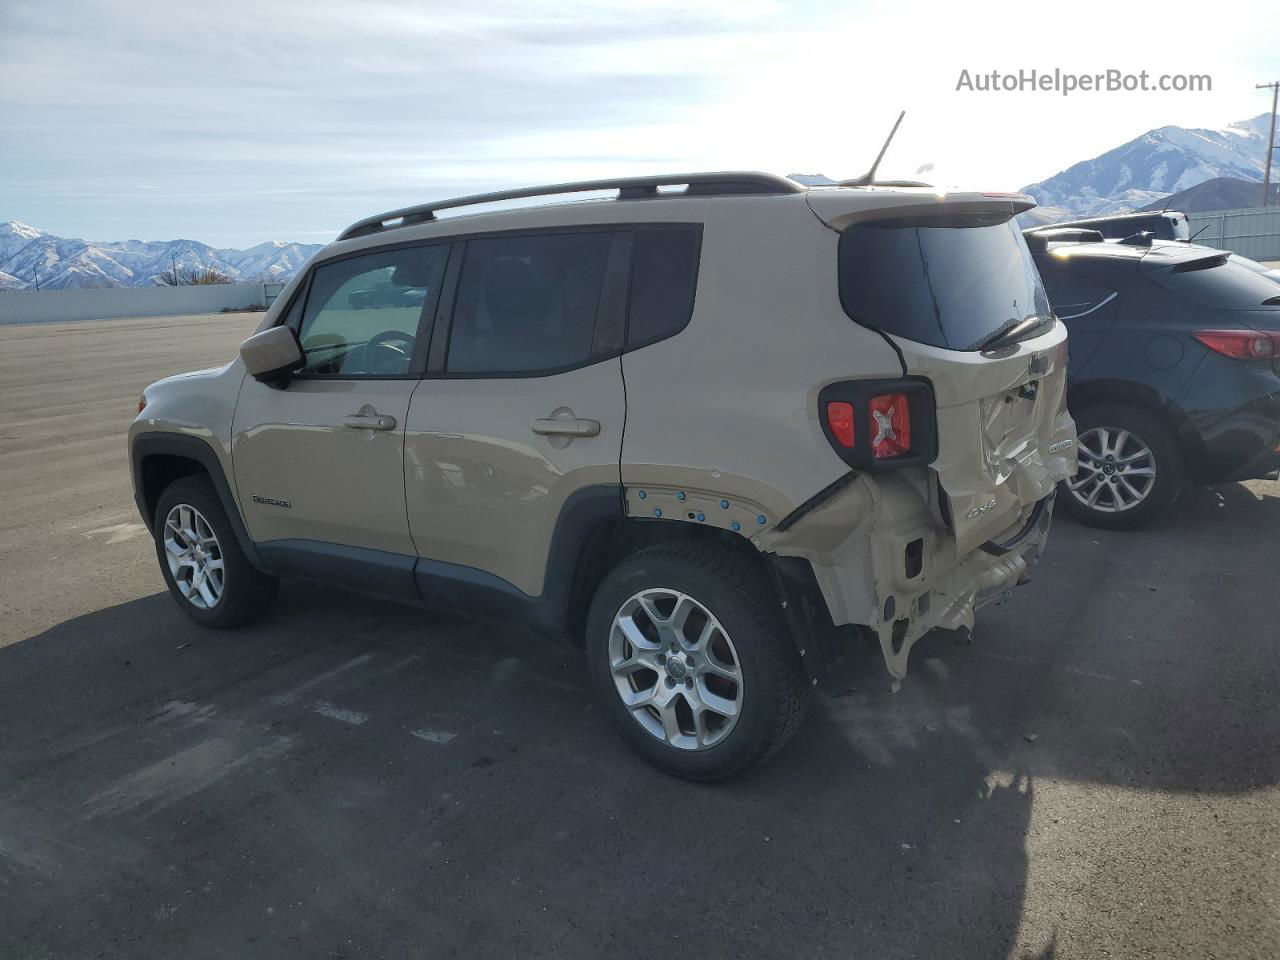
(206, 571)
(1131, 468)
(689, 653)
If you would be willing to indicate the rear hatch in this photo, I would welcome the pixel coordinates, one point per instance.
(950, 282)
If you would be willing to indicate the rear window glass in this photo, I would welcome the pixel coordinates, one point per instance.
(944, 281)
(1073, 296)
(664, 273)
(527, 303)
(1226, 285)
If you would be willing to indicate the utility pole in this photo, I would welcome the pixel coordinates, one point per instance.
(1274, 87)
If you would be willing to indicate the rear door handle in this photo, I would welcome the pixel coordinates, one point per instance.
(568, 427)
(369, 421)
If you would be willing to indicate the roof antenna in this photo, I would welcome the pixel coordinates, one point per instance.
(869, 178)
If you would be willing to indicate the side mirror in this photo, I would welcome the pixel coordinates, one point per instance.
(270, 356)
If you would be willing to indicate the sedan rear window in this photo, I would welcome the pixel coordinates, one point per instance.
(949, 281)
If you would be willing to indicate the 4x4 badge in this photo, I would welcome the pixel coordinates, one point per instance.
(979, 511)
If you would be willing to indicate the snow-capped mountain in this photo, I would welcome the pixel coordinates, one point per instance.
(62, 263)
(1154, 165)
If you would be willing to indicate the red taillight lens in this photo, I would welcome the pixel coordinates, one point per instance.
(890, 425)
(1241, 344)
(840, 420)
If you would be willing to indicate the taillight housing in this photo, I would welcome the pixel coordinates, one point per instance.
(879, 424)
(1241, 344)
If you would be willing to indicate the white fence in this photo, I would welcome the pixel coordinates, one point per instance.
(51, 306)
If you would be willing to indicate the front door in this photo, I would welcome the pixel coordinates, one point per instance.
(521, 414)
(319, 463)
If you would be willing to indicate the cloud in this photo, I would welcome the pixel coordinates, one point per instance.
(251, 120)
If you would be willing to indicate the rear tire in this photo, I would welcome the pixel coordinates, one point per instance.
(1131, 468)
(206, 571)
(715, 617)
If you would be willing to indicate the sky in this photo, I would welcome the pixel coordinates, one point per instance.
(237, 122)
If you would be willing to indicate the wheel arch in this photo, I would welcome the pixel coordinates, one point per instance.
(158, 459)
(612, 539)
(1093, 392)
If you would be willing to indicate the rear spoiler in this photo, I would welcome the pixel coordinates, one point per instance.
(842, 207)
(1216, 259)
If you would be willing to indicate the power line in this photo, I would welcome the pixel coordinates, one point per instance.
(1274, 87)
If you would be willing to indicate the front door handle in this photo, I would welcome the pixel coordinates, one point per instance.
(567, 427)
(369, 419)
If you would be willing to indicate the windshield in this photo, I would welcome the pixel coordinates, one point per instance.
(949, 281)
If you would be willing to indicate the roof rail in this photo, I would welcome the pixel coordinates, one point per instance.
(629, 188)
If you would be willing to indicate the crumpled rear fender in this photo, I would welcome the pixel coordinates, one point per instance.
(884, 559)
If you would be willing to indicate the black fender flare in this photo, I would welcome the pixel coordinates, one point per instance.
(199, 451)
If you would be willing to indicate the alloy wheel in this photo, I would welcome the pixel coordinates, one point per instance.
(194, 556)
(675, 669)
(1117, 470)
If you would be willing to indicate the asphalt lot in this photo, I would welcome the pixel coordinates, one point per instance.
(1098, 775)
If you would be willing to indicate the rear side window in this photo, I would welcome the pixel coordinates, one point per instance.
(948, 281)
(527, 304)
(664, 275)
(1073, 296)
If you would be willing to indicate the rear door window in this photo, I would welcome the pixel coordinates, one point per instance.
(528, 304)
(948, 281)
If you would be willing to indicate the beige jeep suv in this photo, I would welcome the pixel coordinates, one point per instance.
(710, 426)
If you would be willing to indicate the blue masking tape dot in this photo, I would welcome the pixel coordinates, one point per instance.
(760, 519)
(701, 517)
(736, 525)
(643, 494)
(724, 504)
(657, 513)
(680, 495)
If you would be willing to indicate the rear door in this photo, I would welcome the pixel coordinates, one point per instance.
(319, 461)
(521, 414)
(941, 282)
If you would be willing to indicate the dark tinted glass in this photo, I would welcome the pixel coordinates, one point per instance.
(664, 273)
(362, 313)
(1072, 296)
(527, 303)
(1227, 286)
(946, 282)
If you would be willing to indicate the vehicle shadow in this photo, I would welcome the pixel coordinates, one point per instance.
(874, 835)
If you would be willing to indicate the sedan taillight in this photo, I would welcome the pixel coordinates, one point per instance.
(1241, 344)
